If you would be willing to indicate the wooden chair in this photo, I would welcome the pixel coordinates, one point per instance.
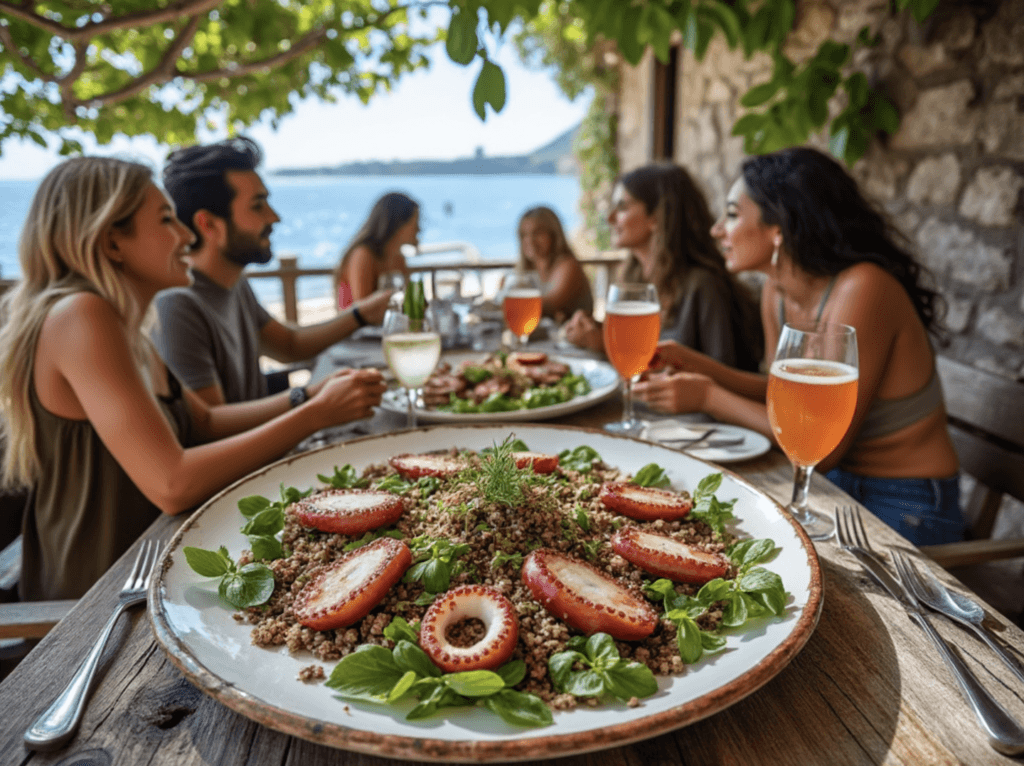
(986, 421)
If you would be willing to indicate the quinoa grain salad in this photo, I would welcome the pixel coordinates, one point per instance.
(540, 533)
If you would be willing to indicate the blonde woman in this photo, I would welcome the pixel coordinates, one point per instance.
(92, 420)
(543, 248)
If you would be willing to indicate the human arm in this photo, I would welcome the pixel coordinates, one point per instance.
(292, 344)
(84, 369)
(581, 330)
(361, 272)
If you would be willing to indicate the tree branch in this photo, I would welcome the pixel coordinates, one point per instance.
(174, 10)
(9, 45)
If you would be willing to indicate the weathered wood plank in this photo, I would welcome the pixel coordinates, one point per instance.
(32, 619)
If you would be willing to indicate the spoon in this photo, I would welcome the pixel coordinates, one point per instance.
(968, 613)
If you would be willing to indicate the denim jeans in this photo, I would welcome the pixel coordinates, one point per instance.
(925, 511)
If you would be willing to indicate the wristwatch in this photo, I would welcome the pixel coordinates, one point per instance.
(297, 396)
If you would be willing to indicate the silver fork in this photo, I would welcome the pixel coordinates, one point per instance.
(59, 722)
(1004, 733)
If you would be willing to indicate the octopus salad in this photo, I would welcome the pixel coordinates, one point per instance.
(521, 582)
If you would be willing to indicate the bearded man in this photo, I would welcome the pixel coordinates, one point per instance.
(212, 333)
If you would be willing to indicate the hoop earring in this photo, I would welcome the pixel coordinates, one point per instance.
(775, 256)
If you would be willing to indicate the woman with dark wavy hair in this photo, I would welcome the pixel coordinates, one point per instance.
(376, 248)
(830, 256)
(661, 216)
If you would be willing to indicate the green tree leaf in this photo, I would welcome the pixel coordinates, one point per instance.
(489, 89)
(462, 43)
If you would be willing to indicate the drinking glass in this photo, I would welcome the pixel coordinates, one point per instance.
(812, 393)
(521, 304)
(632, 323)
(412, 350)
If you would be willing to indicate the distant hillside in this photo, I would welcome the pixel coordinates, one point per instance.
(555, 158)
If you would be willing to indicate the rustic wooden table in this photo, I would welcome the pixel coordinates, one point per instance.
(867, 688)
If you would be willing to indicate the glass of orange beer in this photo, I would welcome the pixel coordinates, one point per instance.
(521, 303)
(632, 324)
(812, 393)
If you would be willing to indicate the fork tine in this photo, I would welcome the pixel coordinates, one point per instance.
(155, 553)
(137, 567)
(842, 531)
(859, 532)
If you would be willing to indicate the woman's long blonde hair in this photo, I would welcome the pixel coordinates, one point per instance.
(548, 219)
(60, 254)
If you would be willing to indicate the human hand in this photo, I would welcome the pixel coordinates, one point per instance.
(674, 392)
(583, 331)
(348, 395)
(373, 306)
(669, 353)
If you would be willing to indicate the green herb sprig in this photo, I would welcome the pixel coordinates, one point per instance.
(580, 459)
(755, 592)
(605, 672)
(241, 587)
(376, 674)
(265, 519)
(435, 562)
(651, 475)
(708, 508)
(344, 478)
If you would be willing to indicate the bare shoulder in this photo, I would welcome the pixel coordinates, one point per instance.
(869, 284)
(79, 314)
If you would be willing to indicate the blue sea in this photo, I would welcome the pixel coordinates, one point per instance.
(319, 214)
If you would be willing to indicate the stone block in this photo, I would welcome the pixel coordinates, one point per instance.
(1001, 327)
(940, 117)
(1002, 35)
(814, 22)
(991, 197)
(923, 60)
(1009, 87)
(953, 252)
(935, 181)
(958, 314)
(880, 175)
(717, 92)
(1001, 130)
(957, 30)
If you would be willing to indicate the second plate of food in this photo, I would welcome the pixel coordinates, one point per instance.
(601, 377)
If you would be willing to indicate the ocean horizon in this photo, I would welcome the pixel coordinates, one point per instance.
(320, 214)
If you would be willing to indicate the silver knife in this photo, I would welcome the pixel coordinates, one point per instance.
(1004, 733)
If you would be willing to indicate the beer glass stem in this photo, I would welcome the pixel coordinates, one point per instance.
(627, 400)
(817, 525)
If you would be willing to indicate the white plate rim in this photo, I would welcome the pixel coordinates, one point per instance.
(760, 445)
(578, 365)
(518, 745)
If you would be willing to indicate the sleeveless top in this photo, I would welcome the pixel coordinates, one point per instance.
(887, 416)
(84, 512)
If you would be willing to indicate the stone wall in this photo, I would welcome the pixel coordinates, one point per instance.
(952, 177)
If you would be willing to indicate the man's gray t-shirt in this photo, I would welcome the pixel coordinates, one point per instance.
(210, 335)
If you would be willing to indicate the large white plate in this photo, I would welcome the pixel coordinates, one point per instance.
(204, 641)
(603, 379)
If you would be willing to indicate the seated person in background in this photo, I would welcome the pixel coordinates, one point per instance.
(95, 424)
(376, 248)
(829, 256)
(212, 332)
(661, 216)
(543, 248)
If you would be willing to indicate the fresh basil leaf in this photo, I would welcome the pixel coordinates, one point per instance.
(601, 649)
(512, 672)
(253, 584)
(630, 679)
(208, 563)
(398, 630)
(291, 495)
(714, 590)
(749, 552)
(706, 487)
(560, 667)
(580, 459)
(584, 683)
(266, 523)
(426, 598)
(760, 579)
(393, 483)
(436, 576)
(688, 640)
(408, 656)
(442, 697)
(265, 548)
(399, 690)
(711, 642)
(475, 683)
(519, 708)
(369, 673)
(428, 485)
(345, 477)
(651, 475)
(735, 612)
(250, 506)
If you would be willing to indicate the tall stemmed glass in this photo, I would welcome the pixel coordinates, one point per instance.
(412, 350)
(632, 323)
(521, 304)
(812, 393)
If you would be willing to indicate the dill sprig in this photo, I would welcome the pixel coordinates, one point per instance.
(500, 480)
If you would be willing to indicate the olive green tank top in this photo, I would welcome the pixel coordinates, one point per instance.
(84, 512)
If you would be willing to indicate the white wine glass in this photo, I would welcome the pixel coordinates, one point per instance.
(412, 350)
(632, 324)
(812, 394)
(521, 304)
